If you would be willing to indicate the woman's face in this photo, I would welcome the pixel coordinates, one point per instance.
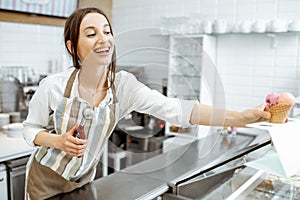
(95, 42)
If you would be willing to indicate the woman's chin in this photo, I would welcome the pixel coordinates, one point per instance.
(104, 63)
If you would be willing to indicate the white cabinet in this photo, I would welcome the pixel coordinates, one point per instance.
(3, 182)
(192, 68)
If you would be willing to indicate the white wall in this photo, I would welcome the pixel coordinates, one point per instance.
(248, 64)
(32, 46)
(251, 66)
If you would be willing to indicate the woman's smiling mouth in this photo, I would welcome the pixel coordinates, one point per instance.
(103, 51)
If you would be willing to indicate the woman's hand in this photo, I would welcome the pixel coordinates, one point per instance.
(260, 113)
(72, 145)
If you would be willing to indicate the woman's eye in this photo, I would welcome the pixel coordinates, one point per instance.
(107, 32)
(91, 34)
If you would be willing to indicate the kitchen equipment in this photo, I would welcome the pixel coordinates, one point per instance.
(143, 144)
(11, 93)
(19, 72)
(15, 117)
(3, 182)
(16, 177)
(4, 120)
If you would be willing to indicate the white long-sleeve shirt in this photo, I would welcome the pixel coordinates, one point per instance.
(132, 95)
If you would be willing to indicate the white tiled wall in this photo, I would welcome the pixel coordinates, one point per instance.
(32, 46)
(251, 66)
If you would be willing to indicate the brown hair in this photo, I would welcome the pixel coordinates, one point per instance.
(71, 32)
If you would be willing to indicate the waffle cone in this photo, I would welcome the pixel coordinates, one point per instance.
(279, 113)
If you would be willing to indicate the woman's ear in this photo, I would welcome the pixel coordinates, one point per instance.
(70, 47)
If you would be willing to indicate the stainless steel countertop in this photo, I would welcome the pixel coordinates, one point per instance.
(118, 186)
(156, 175)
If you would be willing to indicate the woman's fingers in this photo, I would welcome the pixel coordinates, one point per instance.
(263, 111)
(264, 114)
(76, 140)
(75, 152)
(72, 145)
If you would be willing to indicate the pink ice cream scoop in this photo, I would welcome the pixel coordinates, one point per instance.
(287, 99)
(272, 99)
(283, 98)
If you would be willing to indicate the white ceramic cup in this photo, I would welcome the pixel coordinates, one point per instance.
(220, 26)
(278, 25)
(294, 25)
(259, 26)
(207, 27)
(245, 26)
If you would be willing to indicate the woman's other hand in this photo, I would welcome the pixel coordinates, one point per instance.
(72, 145)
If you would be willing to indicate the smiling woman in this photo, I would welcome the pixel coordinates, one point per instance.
(66, 162)
(95, 54)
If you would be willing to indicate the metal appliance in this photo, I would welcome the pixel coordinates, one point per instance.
(11, 94)
(3, 182)
(16, 178)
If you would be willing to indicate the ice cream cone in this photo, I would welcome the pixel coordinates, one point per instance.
(279, 113)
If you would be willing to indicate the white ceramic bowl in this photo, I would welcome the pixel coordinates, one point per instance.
(14, 130)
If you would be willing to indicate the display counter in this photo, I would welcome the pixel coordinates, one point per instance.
(162, 174)
(238, 182)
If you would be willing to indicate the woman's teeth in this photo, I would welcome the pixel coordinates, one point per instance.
(102, 50)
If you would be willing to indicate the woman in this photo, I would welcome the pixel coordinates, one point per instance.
(63, 162)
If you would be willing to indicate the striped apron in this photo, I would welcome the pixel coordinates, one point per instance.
(51, 171)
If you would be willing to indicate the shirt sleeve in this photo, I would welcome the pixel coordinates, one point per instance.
(138, 97)
(38, 113)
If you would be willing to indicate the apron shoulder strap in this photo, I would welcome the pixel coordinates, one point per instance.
(70, 84)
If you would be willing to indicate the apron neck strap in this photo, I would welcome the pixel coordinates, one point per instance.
(115, 99)
(70, 84)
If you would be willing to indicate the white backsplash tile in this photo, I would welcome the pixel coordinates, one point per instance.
(209, 4)
(286, 61)
(285, 73)
(250, 65)
(266, 9)
(288, 6)
(262, 81)
(30, 45)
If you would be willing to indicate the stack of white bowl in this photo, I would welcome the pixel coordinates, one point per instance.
(4, 120)
(14, 130)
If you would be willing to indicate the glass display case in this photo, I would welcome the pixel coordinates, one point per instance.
(190, 75)
(236, 181)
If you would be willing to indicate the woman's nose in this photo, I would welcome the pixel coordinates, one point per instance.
(102, 38)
